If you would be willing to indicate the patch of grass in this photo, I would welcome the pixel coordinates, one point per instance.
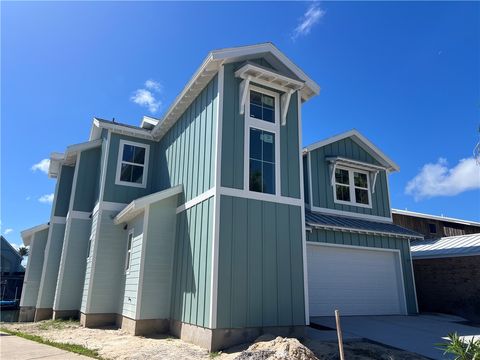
(78, 349)
(214, 354)
(58, 324)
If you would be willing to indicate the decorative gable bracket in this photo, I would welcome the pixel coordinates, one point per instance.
(252, 73)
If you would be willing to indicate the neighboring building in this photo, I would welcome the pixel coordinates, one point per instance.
(447, 275)
(196, 224)
(11, 271)
(432, 226)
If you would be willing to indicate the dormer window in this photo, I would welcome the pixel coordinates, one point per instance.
(132, 164)
(352, 187)
(262, 106)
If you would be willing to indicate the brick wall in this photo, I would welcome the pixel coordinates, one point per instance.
(449, 285)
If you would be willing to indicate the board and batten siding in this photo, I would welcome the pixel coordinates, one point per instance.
(260, 266)
(233, 133)
(132, 275)
(186, 153)
(192, 267)
(71, 274)
(63, 191)
(322, 190)
(33, 274)
(124, 193)
(374, 241)
(87, 180)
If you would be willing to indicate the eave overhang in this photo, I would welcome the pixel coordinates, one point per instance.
(28, 233)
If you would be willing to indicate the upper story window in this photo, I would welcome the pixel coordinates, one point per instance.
(132, 164)
(262, 134)
(262, 106)
(352, 187)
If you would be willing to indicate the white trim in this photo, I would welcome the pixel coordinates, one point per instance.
(120, 161)
(310, 192)
(355, 164)
(265, 126)
(140, 282)
(435, 217)
(441, 256)
(111, 206)
(361, 141)
(351, 187)
(31, 231)
(269, 78)
(216, 209)
(81, 215)
(362, 231)
(413, 278)
(74, 185)
(302, 219)
(260, 196)
(350, 214)
(397, 251)
(137, 206)
(104, 167)
(196, 200)
(128, 257)
(118, 129)
(284, 105)
(58, 220)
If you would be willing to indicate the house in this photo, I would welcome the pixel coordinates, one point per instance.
(197, 223)
(11, 271)
(433, 226)
(447, 275)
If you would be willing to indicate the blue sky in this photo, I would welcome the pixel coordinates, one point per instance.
(405, 74)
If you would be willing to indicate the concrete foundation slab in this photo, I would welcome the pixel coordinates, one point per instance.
(97, 320)
(26, 314)
(65, 314)
(43, 314)
(143, 327)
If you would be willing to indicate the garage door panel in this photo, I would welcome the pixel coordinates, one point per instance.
(355, 281)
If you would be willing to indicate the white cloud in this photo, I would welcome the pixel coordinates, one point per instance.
(46, 199)
(7, 231)
(436, 179)
(313, 14)
(42, 166)
(146, 97)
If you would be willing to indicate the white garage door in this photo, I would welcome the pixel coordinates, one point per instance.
(356, 281)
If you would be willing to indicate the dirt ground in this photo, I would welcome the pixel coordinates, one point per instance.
(112, 343)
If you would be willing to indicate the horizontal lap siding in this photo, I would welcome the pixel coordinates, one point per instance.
(192, 267)
(33, 273)
(322, 190)
(260, 269)
(185, 154)
(132, 276)
(88, 266)
(374, 241)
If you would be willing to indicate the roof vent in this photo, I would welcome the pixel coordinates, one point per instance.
(148, 122)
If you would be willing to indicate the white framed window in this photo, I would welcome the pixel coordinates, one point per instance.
(262, 142)
(129, 251)
(132, 164)
(352, 187)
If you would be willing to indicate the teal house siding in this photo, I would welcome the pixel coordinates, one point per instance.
(322, 191)
(63, 191)
(306, 186)
(68, 294)
(132, 275)
(186, 153)
(53, 252)
(122, 193)
(260, 268)
(233, 131)
(192, 267)
(88, 265)
(374, 241)
(158, 251)
(31, 283)
(290, 151)
(87, 180)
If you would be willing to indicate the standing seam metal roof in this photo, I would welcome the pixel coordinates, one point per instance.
(450, 246)
(354, 224)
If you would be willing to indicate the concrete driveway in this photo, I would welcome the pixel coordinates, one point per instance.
(416, 333)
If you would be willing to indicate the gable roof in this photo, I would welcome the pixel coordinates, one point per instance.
(212, 64)
(363, 142)
(451, 246)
